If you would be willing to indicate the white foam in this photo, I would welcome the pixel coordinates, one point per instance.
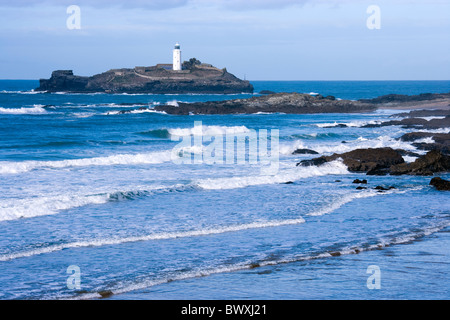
(40, 206)
(208, 130)
(128, 286)
(360, 143)
(348, 124)
(23, 92)
(43, 204)
(440, 130)
(150, 237)
(134, 112)
(425, 140)
(342, 201)
(432, 117)
(285, 175)
(9, 167)
(173, 103)
(36, 109)
(409, 159)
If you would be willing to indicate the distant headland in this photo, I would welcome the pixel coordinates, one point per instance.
(177, 78)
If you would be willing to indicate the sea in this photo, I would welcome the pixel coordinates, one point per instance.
(99, 203)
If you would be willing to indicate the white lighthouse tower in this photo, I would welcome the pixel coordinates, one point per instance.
(177, 57)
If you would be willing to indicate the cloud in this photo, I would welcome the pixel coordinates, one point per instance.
(234, 5)
(254, 4)
(130, 4)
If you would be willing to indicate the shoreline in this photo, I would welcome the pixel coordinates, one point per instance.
(300, 103)
(443, 104)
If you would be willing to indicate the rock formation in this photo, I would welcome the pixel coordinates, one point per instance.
(382, 161)
(294, 103)
(440, 184)
(199, 78)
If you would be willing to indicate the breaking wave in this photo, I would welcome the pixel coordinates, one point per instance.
(360, 143)
(328, 208)
(285, 175)
(392, 239)
(36, 109)
(8, 167)
(196, 131)
(347, 124)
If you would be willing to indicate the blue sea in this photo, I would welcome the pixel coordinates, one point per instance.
(93, 200)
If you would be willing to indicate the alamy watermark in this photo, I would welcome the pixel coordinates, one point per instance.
(374, 280)
(244, 147)
(74, 20)
(74, 280)
(374, 20)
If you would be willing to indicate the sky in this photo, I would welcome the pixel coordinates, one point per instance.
(253, 39)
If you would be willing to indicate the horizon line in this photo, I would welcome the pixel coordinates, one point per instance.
(298, 80)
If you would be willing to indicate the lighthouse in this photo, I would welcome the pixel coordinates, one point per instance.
(177, 57)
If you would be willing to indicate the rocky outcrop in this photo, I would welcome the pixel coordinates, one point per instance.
(440, 184)
(401, 98)
(304, 151)
(422, 113)
(437, 141)
(382, 161)
(372, 161)
(416, 123)
(266, 92)
(292, 103)
(156, 79)
(433, 162)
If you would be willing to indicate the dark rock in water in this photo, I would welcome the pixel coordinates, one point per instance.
(433, 162)
(105, 293)
(400, 98)
(440, 184)
(406, 123)
(383, 188)
(364, 160)
(199, 78)
(360, 181)
(337, 181)
(288, 182)
(335, 254)
(382, 161)
(344, 141)
(313, 162)
(407, 153)
(439, 141)
(131, 111)
(339, 125)
(304, 151)
(361, 188)
(266, 92)
(378, 171)
(417, 123)
(413, 136)
(423, 113)
(290, 103)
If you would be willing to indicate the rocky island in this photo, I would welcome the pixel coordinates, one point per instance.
(194, 77)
